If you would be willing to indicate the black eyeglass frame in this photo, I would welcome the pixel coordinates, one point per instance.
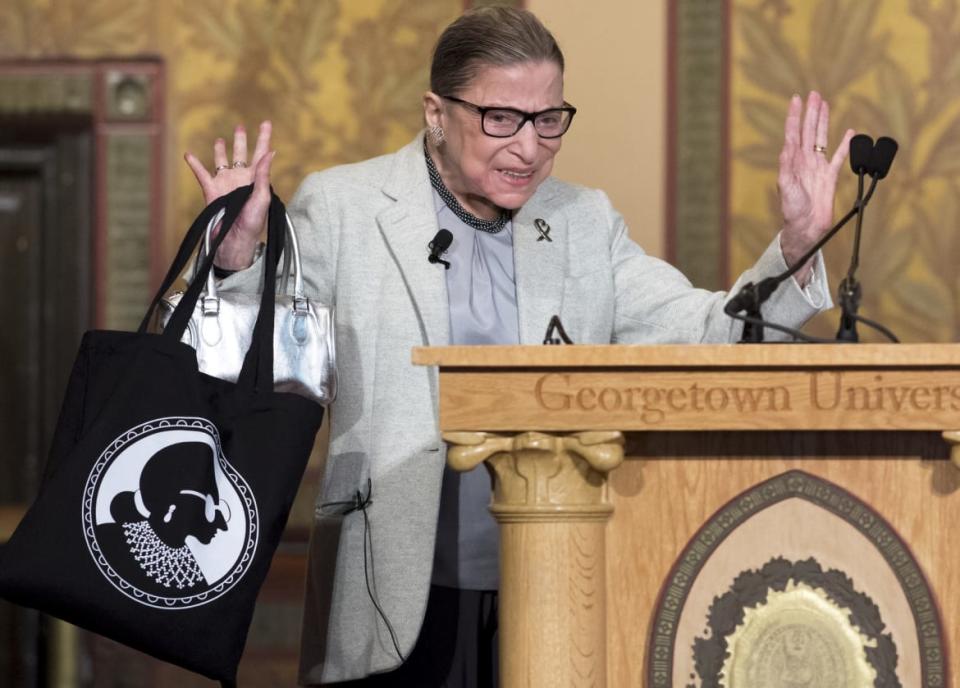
(525, 117)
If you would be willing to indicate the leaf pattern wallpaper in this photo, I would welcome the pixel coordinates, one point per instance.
(340, 79)
(76, 28)
(888, 67)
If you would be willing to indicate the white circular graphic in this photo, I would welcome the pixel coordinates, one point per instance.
(168, 521)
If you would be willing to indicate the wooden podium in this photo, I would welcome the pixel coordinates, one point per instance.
(623, 473)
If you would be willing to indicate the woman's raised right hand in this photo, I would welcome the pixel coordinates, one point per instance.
(238, 248)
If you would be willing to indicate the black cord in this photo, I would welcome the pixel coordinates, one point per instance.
(360, 503)
(368, 541)
(809, 338)
(877, 326)
(796, 334)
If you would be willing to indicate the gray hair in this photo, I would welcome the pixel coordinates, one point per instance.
(489, 36)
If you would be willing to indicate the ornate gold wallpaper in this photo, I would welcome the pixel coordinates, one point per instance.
(340, 79)
(888, 67)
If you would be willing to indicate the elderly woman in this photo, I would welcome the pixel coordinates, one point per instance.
(412, 580)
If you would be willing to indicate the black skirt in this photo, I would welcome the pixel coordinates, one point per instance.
(457, 646)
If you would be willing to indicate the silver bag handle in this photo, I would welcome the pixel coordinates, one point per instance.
(209, 300)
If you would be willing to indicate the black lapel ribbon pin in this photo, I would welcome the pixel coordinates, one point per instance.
(543, 228)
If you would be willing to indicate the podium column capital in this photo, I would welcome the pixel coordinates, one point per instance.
(542, 477)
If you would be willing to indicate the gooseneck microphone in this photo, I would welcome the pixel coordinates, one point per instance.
(848, 293)
(861, 154)
(875, 161)
(884, 152)
(865, 158)
(438, 246)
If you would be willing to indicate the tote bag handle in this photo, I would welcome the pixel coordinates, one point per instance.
(256, 373)
(188, 246)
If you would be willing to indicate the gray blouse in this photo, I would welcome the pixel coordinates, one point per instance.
(482, 296)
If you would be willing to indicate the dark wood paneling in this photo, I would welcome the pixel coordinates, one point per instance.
(44, 276)
(20, 243)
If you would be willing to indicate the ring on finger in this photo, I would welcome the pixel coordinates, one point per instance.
(220, 167)
(239, 164)
(816, 149)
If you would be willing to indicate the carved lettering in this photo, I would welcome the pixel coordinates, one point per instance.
(677, 392)
(695, 394)
(938, 394)
(899, 395)
(750, 399)
(582, 395)
(858, 399)
(831, 394)
(717, 399)
(781, 393)
(829, 391)
(564, 399)
(747, 399)
(652, 413)
(915, 395)
(555, 392)
(610, 399)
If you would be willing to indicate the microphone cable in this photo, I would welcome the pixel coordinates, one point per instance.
(361, 502)
(799, 336)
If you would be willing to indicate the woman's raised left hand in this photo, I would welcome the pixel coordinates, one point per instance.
(807, 179)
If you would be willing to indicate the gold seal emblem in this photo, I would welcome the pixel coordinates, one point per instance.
(797, 638)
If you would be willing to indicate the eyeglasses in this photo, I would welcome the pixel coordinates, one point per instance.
(210, 506)
(502, 123)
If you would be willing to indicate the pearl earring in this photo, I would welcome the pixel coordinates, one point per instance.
(169, 515)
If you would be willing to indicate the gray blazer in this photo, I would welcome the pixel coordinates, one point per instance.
(364, 230)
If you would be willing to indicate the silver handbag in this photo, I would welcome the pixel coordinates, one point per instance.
(220, 329)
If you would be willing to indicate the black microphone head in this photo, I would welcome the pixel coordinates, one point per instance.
(861, 152)
(441, 242)
(884, 152)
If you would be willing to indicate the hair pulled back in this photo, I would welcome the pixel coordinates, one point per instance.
(489, 37)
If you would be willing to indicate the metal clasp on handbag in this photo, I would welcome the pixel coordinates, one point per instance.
(210, 305)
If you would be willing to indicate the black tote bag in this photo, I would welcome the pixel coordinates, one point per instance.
(166, 491)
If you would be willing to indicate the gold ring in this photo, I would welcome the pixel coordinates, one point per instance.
(819, 149)
(238, 164)
(220, 167)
